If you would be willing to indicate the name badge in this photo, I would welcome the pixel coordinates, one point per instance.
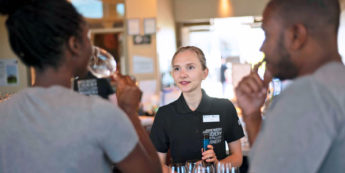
(210, 118)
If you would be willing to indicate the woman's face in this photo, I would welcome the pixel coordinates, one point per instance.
(187, 71)
(85, 51)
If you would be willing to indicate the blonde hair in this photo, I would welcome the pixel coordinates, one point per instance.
(196, 50)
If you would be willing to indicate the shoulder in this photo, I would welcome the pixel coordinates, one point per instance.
(167, 108)
(305, 100)
(89, 105)
(166, 112)
(221, 103)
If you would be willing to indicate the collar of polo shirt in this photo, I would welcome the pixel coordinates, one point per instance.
(204, 106)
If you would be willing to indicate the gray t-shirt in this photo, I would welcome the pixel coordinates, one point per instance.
(58, 130)
(304, 129)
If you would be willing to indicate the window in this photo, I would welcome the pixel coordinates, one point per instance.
(89, 8)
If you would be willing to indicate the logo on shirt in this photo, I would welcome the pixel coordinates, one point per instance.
(215, 135)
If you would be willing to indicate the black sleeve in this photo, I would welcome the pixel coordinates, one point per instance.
(158, 133)
(233, 127)
(104, 88)
(75, 85)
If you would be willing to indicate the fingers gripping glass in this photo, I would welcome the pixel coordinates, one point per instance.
(101, 64)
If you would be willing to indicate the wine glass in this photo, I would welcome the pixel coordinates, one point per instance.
(190, 164)
(199, 168)
(226, 168)
(223, 167)
(177, 168)
(101, 64)
(204, 168)
(235, 170)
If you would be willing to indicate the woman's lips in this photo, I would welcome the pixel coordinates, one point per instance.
(184, 82)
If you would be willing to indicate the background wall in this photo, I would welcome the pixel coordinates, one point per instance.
(163, 43)
(6, 53)
(166, 37)
(139, 9)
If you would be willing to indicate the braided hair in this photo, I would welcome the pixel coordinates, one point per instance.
(39, 29)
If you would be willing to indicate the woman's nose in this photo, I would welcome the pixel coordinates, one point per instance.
(183, 73)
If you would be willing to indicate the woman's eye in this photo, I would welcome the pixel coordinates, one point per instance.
(190, 67)
(176, 68)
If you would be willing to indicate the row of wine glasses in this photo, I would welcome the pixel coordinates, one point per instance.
(199, 167)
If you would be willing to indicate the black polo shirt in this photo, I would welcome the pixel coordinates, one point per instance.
(179, 129)
(91, 85)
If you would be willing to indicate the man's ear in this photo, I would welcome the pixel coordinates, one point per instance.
(296, 37)
(73, 45)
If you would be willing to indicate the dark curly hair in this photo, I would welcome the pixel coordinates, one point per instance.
(39, 29)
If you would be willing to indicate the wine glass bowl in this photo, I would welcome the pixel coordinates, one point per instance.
(101, 64)
(203, 168)
(226, 168)
(190, 164)
(177, 168)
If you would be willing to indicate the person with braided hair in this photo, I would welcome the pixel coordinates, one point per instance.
(51, 128)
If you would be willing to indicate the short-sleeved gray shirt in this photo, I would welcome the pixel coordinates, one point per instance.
(304, 129)
(58, 130)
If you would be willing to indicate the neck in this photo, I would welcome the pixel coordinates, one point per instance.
(319, 56)
(193, 99)
(51, 76)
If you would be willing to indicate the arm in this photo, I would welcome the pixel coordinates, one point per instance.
(162, 158)
(296, 140)
(235, 158)
(137, 161)
(251, 93)
(129, 96)
(112, 98)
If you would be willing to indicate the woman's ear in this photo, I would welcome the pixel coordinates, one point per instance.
(73, 45)
(205, 73)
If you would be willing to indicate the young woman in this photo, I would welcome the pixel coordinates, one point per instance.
(179, 126)
(49, 127)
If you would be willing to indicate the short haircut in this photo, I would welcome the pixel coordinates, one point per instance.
(316, 15)
(196, 50)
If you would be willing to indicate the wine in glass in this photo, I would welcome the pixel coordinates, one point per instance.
(101, 64)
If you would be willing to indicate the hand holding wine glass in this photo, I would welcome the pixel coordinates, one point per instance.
(102, 64)
(128, 93)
